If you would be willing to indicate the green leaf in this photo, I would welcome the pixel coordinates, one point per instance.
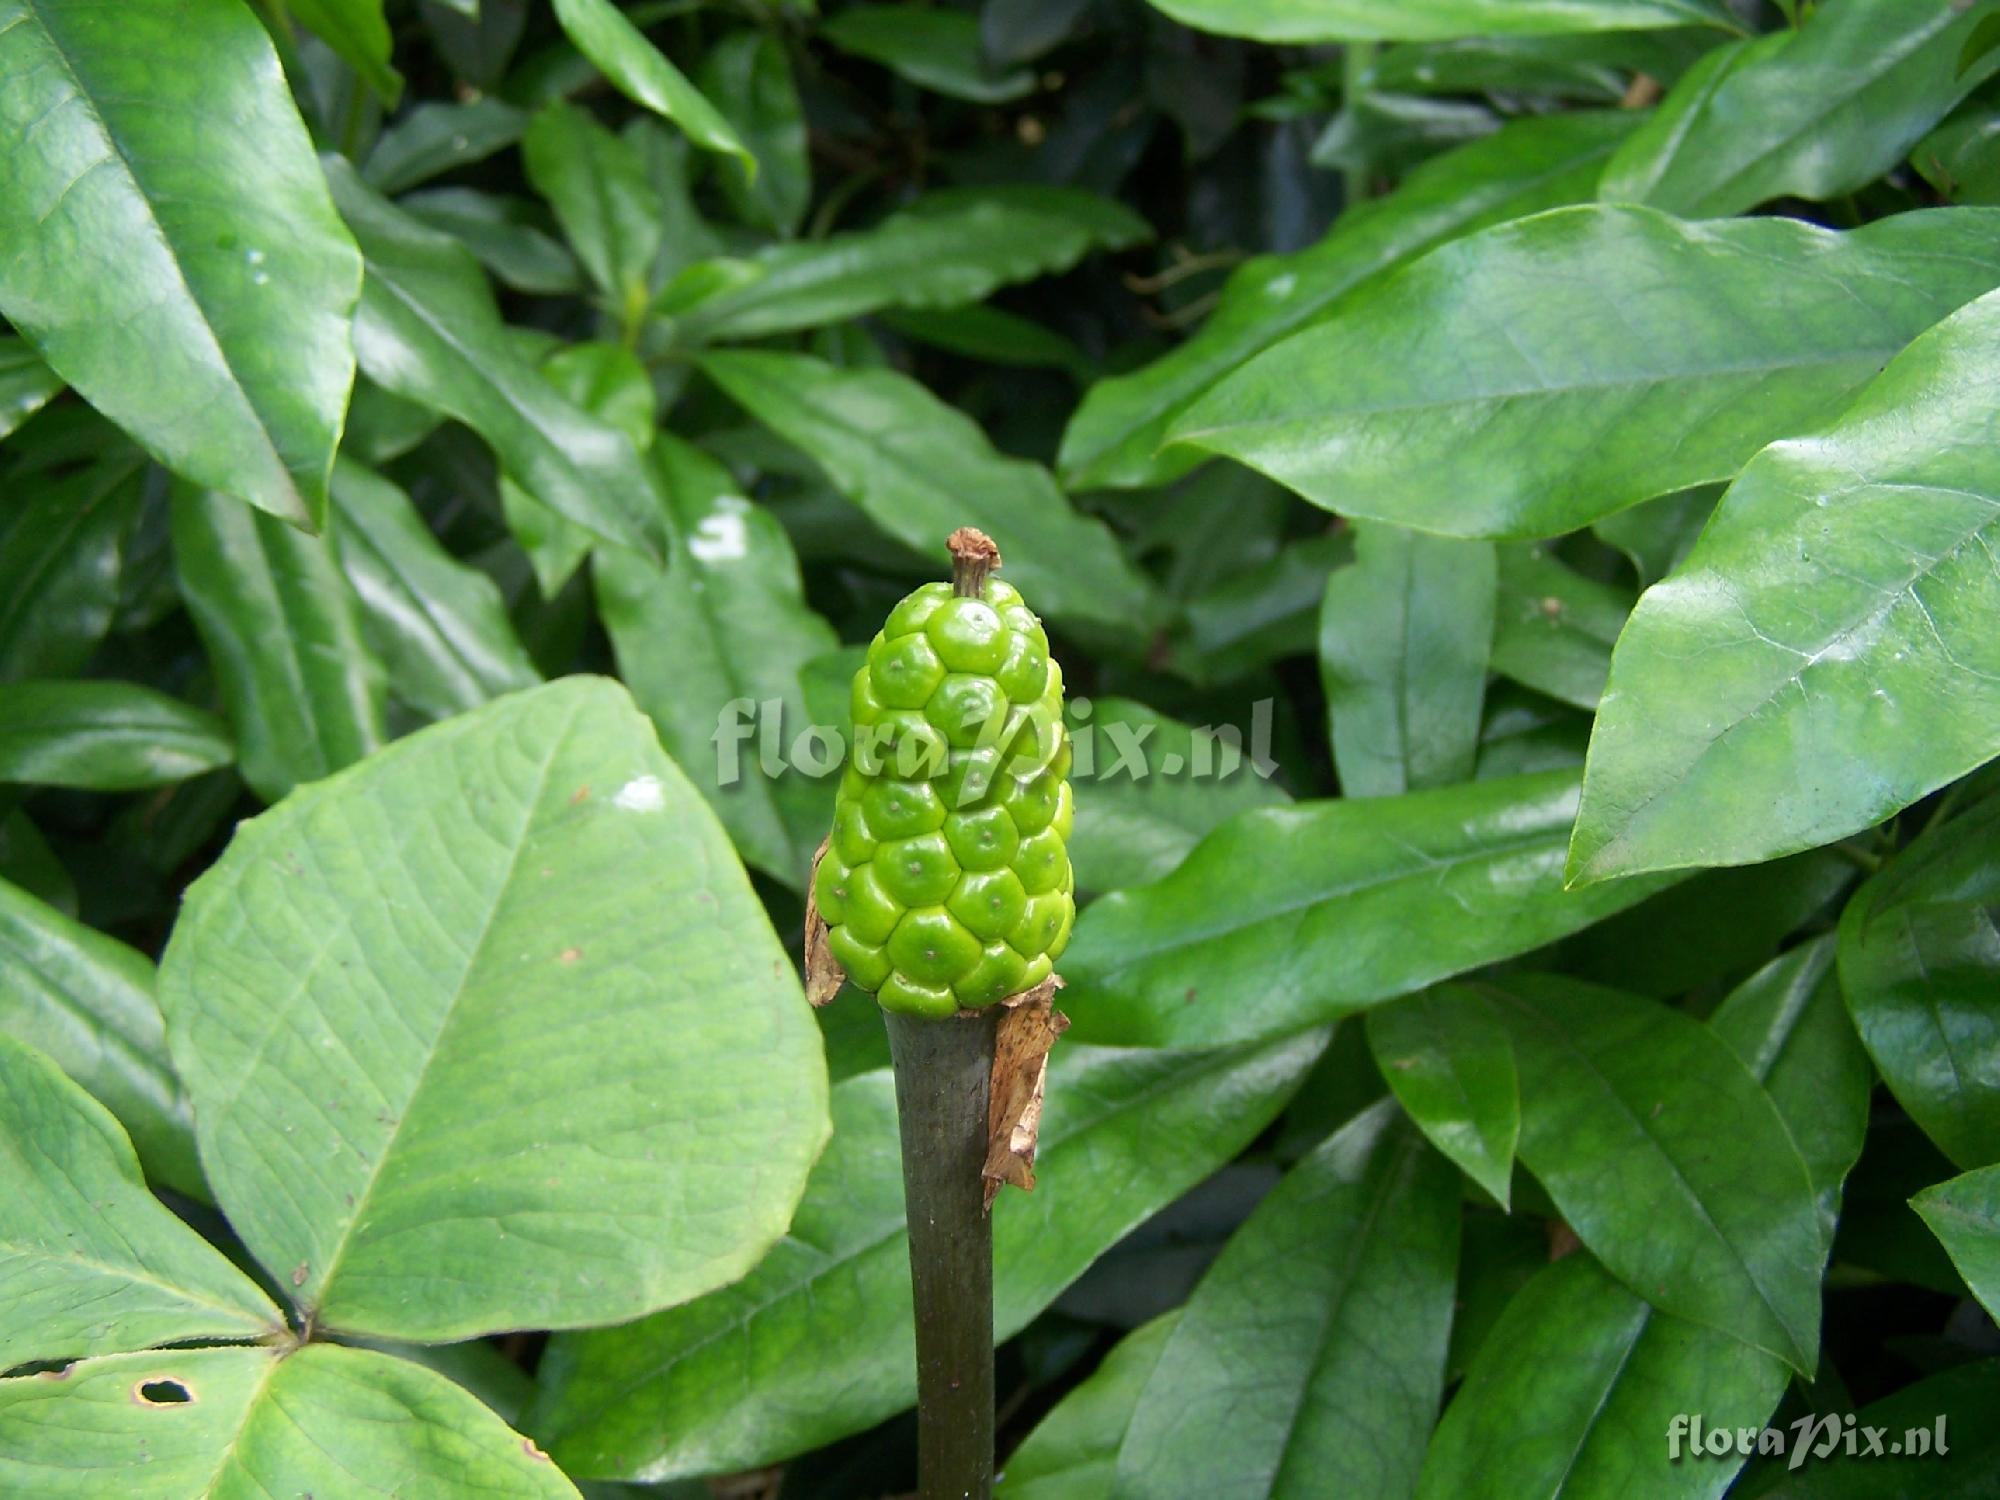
(1149, 787)
(1919, 957)
(1788, 1025)
(505, 235)
(992, 335)
(26, 384)
(1660, 533)
(284, 635)
(1403, 640)
(1286, 917)
(716, 639)
(433, 139)
(1337, 1291)
(946, 249)
(1073, 1452)
(934, 49)
(1959, 1408)
(62, 550)
(1961, 158)
(171, 250)
(86, 1000)
(1541, 375)
(1815, 113)
(1553, 628)
(1288, 21)
(603, 196)
(438, 626)
(1573, 1396)
(1964, 1214)
(91, 1262)
(27, 860)
(750, 78)
(1825, 656)
(732, 1381)
(321, 1419)
(498, 999)
(1451, 1067)
(920, 469)
(102, 736)
(1668, 1160)
(638, 70)
(1115, 437)
(358, 35)
(1260, 615)
(428, 330)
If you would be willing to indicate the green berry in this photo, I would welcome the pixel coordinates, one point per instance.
(947, 884)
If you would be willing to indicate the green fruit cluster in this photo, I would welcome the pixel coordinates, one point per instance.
(946, 882)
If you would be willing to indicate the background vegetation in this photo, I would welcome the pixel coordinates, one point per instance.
(1569, 425)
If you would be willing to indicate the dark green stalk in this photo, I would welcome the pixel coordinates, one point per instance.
(943, 1077)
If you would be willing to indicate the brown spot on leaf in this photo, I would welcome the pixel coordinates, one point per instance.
(570, 955)
(62, 1374)
(163, 1390)
(300, 1272)
(579, 794)
(528, 1447)
(1020, 1080)
(824, 975)
(1562, 1240)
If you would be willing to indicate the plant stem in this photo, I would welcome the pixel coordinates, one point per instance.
(943, 1076)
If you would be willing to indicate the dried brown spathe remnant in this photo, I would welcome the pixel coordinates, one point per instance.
(1020, 1080)
(824, 975)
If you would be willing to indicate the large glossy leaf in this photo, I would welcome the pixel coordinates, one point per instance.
(736, 1379)
(439, 626)
(935, 49)
(90, 1261)
(1148, 787)
(62, 548)
(428, 330)
(715, 640)
(86, 1000)
(228, 1424)
(1541, 162)
(1964, 1214)
(919, 470)
(1317, 1340)
(1788, 1025)
(1812, 114)
(104, 736)
(1826, 654)
(1403, 639)
(944, 250)
(283, 632)
(1919, 960)
(26, 384)
(1540, 375)
(1423, 20)
(1573, 1394)
(1450, 1065)
(640, 71)
(499, 999)
(1553, 628)
(1286, 917)
(170, 248)
(1668, 1159)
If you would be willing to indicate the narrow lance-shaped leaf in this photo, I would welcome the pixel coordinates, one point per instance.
(1826, 655)
(1553, 628)
(105, 736)
(170, 248)
(428, 330)
(1574, 1393)
(283, 632)
(603, 197)
(321, 1419)
(1287, 21)
(934, 49)
(637, 68)
(1337, 1294)
(62, 548)
(1543, 374)
(920, 469)
(1286, 917)
(358, 33)
(90, 1261)
(946, 249)
(749, 75)
(499, 999)
(1403, 639)
(1668, 1160)
(1541, 162)
(733, 1381)
(1919, 960)
(1450, 1065)
(1073, 1452)
(1808, 114)
(431, 139)
(86, 1000)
